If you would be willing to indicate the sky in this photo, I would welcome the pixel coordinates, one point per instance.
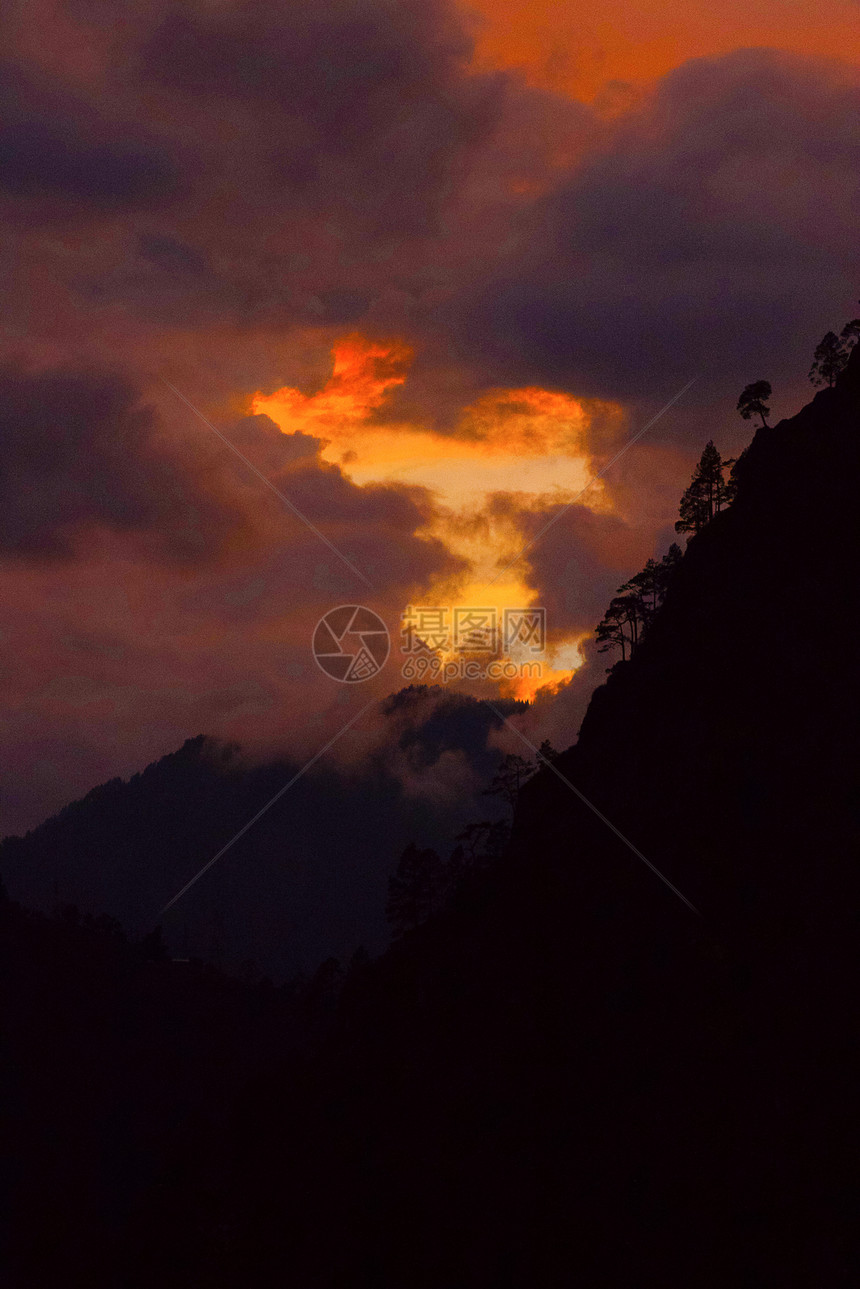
(345, 301)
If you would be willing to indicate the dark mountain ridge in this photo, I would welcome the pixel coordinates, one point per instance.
(305, 883)
(572, 1077)
(569, 1076)
(742, 701)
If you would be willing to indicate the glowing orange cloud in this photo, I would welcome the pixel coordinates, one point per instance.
(362, 376)
(531, 442)
(518, 438)
(582, 49)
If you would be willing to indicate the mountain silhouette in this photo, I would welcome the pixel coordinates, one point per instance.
(579, 1076)
(307, 882)
(627, 1056)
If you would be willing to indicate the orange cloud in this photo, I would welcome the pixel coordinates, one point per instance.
(529, 443)
(581, 50)
(496, 432)
(362, 376)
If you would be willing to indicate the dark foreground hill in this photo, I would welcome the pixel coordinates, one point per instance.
(572, 1077)
(577, 1079)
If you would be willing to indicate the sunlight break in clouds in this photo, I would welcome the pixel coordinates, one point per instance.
(528, 442)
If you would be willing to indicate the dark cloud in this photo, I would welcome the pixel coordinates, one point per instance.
(58, 155)
(78, 449)
(268, 447)
(314, 165)
(341, 63)
(322, 163)
(364, 107)
(376, 525)
(577, 563)
(708, 229)
(171, 254)
(38, 159)
(340, 308)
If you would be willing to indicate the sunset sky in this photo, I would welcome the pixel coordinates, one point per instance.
(427, 268)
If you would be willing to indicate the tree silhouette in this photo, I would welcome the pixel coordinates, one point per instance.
(829, 359)
(619, 626)
(509, 779)
(668, 564)
(644, 585)
(416, 890)
(850, 333)
(753, 401)
(833, 353)
(482, 842)
(633, 610)
(478, 846)
(423, 884)
(693, 513)
(707, 494)
(652, 583)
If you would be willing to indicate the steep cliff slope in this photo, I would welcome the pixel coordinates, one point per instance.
(574, 1077)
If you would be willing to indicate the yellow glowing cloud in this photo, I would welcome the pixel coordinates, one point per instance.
(526, 439)
(530, 442)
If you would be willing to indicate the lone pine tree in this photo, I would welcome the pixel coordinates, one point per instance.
(753, 400)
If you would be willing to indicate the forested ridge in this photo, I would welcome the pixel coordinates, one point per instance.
(566, 1074)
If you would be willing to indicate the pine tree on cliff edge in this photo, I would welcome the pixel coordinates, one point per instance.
(753, 401)
(707, 494)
